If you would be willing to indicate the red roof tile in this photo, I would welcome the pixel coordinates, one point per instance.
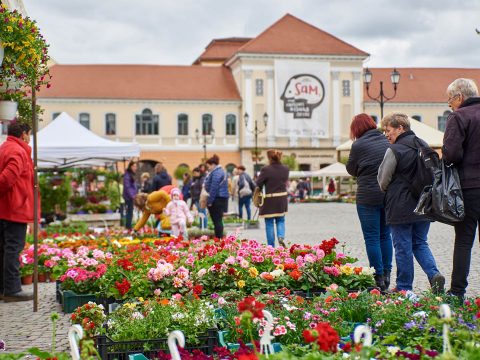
(145, 82)
(221, 49)
(419, 85)
(290, 35)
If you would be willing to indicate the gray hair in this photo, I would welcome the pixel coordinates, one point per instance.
(465, 87)
(396, 120)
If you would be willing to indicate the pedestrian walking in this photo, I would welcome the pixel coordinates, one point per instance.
(244, 189)
(331, 187)
(368, 149)
(16, 208)
(461, 147)
(274, 178)
(409, 231)
(129, 192)
(161, 178)
(216, 184)
(187, 183)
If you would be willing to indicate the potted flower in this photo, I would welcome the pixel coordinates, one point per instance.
(26, 273)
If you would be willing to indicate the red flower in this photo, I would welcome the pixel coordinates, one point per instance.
(126, 264)
(197, 289)
(328, 245)
(477, 302)
(295, 275)
(231, 271)
(122, 286)
(324, 335)
(251, 305)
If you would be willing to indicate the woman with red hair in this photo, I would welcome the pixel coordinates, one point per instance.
(366, 155)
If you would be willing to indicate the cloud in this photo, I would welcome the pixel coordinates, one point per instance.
(425, 33)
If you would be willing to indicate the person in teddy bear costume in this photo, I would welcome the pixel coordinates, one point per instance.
(153, 203)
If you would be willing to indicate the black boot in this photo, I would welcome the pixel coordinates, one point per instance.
(386, 279)
(379, 280)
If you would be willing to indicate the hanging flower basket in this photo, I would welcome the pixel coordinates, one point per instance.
(8, 110)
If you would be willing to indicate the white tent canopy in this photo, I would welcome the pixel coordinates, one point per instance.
(433, 137)
(333, 170)
(65, 142)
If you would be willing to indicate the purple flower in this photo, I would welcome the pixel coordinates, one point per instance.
(2, 345)
(409, 325)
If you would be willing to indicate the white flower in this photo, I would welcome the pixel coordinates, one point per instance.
(368, 271)
(422, 314)
(393, 349)
(277, 273)
(137, 315)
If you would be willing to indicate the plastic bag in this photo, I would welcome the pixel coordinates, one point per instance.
(443, 201)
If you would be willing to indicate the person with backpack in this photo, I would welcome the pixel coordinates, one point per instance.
(244, 189)
(398, 176)
(461, 147)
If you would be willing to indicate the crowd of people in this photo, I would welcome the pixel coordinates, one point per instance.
(385, 166)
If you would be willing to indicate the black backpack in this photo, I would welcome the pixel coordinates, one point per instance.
(426, 163)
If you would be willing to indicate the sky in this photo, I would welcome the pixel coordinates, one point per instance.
(396, 33)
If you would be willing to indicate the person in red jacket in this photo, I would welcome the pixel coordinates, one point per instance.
(16, 208)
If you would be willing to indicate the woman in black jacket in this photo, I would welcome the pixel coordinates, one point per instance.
(366, 155)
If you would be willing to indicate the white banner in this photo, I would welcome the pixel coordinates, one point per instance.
(302, 101)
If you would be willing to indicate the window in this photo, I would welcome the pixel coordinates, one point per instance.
(182, 121)
(207, 124)
(231, 124)
(146, 123)
(55, 115)
(110, 124)
(259, 87)
(417, 117)
(84, 119)
(442, 120)
(346, 88)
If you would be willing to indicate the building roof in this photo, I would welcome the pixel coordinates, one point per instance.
(221, 49)
(290, 35)
(418, 85)
(142, 82)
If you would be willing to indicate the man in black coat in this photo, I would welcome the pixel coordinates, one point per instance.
(161, 177)
(409, 231)
(461, 147)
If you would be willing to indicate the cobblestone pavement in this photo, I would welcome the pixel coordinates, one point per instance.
(21, 328)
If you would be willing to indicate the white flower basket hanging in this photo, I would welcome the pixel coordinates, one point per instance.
(8, 110)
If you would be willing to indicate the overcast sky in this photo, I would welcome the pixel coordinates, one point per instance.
(401, 33)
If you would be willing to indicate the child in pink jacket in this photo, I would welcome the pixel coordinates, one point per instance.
(179, 214)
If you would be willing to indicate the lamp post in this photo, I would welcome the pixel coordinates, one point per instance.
(255, 132)
(205, 139)
(381, 98)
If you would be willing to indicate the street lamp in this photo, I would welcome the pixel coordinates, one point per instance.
(205, 139)
(381, 98)
(255, 132)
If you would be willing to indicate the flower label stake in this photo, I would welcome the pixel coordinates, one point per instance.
(365, 332)
(175, 337)
(446, 315)
(75, 334)
(266, 346)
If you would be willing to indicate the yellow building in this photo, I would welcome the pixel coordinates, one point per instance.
(306, 84)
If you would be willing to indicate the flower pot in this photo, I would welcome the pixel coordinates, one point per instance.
(27, 279)
(8, 110)
(42, 277)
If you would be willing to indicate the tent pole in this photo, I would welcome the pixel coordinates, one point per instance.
(35, 201)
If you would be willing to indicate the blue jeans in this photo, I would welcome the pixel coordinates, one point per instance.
(410, 240)
(376, 234)
(204, 212)
(270, 229)
(244, 201)
(128, 213)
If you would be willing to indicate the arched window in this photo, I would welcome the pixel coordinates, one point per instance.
(182, 124)
(207, 124)
(146, 123)
(84, 119)
(417, 117)
(110, 124)
(230, 124)
(442, 120)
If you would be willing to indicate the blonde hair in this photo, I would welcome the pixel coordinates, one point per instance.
(396, 120)
(140, 201)
(145, 175)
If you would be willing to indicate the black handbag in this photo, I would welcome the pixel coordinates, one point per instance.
(443, 201)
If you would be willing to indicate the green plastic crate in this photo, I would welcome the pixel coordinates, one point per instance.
(71, 300)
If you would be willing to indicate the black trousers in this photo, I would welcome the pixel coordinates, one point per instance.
(464, 238)
(216, 211)
(12, 242)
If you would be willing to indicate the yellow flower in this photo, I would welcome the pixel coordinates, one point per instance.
(280, 267)
(347, 270)
(253, 272)
(241, 283)
(9, 29)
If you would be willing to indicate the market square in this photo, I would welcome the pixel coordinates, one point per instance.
(289, 190)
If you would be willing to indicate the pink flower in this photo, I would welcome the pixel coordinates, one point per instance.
(157, 292)
(177, 297)
(332, 287)
(280, 330)
(341, 256)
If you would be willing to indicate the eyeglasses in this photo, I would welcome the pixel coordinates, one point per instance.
(450, 99)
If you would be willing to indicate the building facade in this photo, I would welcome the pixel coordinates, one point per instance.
(299, 86)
